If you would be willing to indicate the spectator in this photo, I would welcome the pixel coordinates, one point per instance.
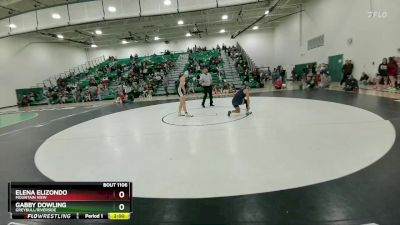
(246, 79)
(310, 79)
(74, 93)
(325, 76)
(351, 84)
(347, 70)
(269, 73)
(63, 98)
(275, 75)
(86, 96)
(364, 80)
(278, 84)
(225, 87)
(148, 91)
(165, 84)
(392, 70)
(191, 88)
(256, 76)
(282, 74)
(263, 78)
(92, 82)
(398, 71)
(31, 97)
(24, 101)
(240, 70)
(121, 93)
(105, 81)
(294, 76)
(220, 72)
(100, 90)
(383, 73)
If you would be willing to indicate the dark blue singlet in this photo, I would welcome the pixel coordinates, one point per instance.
(238, 98)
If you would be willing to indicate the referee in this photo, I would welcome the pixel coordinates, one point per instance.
(206, 82)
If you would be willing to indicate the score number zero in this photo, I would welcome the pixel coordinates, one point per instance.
(121, 194)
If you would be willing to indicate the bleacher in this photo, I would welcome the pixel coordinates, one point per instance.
(82, 80)
(203, 58)
(212, 59)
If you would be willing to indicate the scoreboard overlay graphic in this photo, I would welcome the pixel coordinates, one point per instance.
(70, 200)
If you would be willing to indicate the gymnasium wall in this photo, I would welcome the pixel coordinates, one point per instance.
(339, 20)
(259, 45)
(124, 51)
(26, 61)
(261, 53)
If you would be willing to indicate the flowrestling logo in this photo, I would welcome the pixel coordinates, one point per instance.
(47, 216)
(377, 14)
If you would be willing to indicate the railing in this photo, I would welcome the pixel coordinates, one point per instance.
(83, 68)
(246, 57)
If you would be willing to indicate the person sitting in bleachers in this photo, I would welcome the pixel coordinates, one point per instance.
(62, 97)
(121, 93)
(54, 97)
(74, 94)
(240, 70)
(191, 88)
(217, 89)
(246, 79)
(100, 92)
(105, 81)
(92, 82)
(220, 72)
(226, 87)
(149, 91)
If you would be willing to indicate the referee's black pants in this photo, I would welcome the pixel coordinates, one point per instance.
(345, 78)
(207, 90)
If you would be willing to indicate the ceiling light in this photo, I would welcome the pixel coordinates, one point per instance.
(222, 31)
(225, 17)
(112, 9)
(60, 36)
(12, 26)
(267, 12)
(167, 2)
(255, 28)
(156, 38)
(93, 45)
(188, 35)
(124, 42)
(180, 22)
(56, 16)
(98, 32)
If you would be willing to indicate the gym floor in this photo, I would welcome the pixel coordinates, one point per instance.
(302, 157)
